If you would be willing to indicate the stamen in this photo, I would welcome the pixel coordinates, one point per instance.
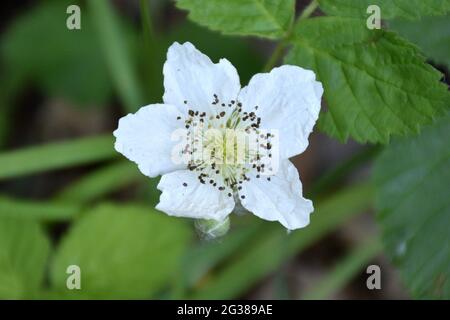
(225, 176)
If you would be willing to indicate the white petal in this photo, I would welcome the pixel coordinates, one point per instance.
(279, 199)
(288, 100)
(191, 76)
(145, 138)
(193, 200)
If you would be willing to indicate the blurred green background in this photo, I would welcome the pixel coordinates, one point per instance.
(66, 197)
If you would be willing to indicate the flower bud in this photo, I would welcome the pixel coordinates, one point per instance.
(211, 229)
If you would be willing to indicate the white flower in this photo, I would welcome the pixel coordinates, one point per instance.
(200, 94)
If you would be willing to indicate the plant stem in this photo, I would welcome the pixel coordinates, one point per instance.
(340, 171)
(276, 55)
(56, 155)
(279, 49)
(38, 210)
(146, 20)
(99, 183)
(308, 11)
(345, 270)
(112, 41)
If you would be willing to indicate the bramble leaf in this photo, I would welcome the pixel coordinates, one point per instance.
(263, 18)
(431, 34)
(409, 9)
(65, 63)
(24, 249)
(412, 178)
(376, 84)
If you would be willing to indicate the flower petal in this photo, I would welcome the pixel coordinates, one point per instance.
(288, 100)
(279, 199)
(145, 138)
(184, 196)
(192, 79)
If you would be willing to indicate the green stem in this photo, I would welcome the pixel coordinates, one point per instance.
(37, 210)
(308, 11)
(56, 155)
(337, 173)
(275, 57)
(146, 20)
(112, 40)
(279, 49)
(154, 81)
(345, 270)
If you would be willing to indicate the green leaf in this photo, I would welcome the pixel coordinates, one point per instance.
(263, 18)
(412, 178)
(65, 62)
(101, 182)
(264, 253)
(127, 252)
(24, 249)
(56, 155)
(244, 57)
(112, 38)
(376, 84)
(410, 9)
(36, 210)
(431, 34)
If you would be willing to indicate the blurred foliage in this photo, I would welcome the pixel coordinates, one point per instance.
(345, 269)
(56, 155)
(66, 64)
(113, 39)
(413, 177)
(121, 251)
(367, 78)
(431, 34)
(37, 211)
(374, 86)
(263, 18)
(24, 249)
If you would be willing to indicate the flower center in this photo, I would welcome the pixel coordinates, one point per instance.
(226, 145)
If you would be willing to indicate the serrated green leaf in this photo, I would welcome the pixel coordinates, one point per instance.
(431, 34)
(66, 62)
(24, 249)
(263, 18)
(239, 52)
(376, 84)
(412, 178)
(127, 252)
(410, 9)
